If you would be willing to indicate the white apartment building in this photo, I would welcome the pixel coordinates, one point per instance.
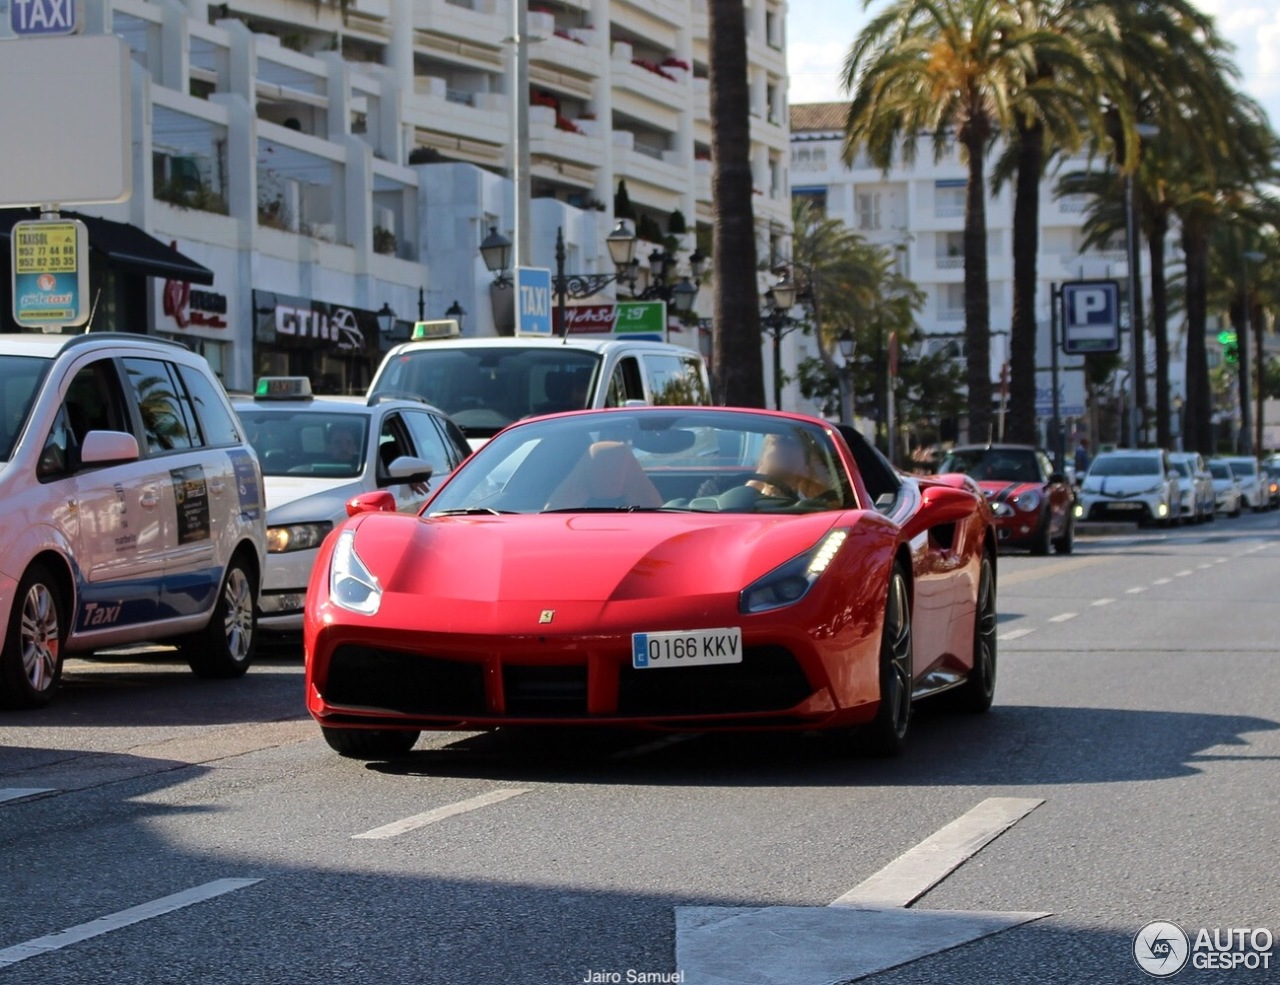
(301, 165)
(918, 210)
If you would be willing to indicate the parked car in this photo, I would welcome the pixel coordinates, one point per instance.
(133, 508)
(486, 384)
(665, 567)
(1251, 479)
(1034, 505)
(1271, 466)
(1227, 496)
(1197, 501)
(316, 454)
(1138, 485)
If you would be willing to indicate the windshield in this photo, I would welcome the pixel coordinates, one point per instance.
(1125, 465)
(1219, 470)
(1183, 468)
(21, 376)
(699, 461)
(485, 388)
(1002, 464)
(1243, 468)
(290, 442)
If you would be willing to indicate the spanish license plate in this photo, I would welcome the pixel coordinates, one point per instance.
(686, 648)
(1126, 506)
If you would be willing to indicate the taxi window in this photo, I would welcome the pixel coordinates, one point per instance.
(168, 419)
(674, 380)
(428, 442)
(95, 401)
(21, 377)
(216, 422)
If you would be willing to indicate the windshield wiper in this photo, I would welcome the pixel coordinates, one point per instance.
(472, 511)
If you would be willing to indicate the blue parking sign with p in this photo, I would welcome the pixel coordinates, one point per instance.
(1091, 316)
(533, 301)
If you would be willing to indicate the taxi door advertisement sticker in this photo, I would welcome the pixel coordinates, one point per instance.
(246, 483)
(191, 494)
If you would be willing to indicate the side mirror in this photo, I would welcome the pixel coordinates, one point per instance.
(946, 504)
(407, 468)
(380, 501)
(105, 447)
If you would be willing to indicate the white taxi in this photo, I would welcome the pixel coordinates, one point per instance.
(132, 508)
(318, 452)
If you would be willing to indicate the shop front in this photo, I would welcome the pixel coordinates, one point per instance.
(335, 346)
(200, 317)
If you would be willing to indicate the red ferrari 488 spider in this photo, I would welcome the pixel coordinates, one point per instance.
(679, 568)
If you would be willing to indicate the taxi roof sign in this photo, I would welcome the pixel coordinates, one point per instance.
(282, 388)
(441, 328)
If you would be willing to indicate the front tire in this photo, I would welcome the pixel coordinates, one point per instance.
(886, 735)
(361, 743)
(979, 690)
(31, 661)
(225, 647)
(1067, 542)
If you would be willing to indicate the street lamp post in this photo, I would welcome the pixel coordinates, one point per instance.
(1242, 347)
(779, 300)
(457, 313)
(1136, 388)
(848, 345)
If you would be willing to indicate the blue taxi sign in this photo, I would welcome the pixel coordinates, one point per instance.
(44, 18)
(282, 388)
(533, 301)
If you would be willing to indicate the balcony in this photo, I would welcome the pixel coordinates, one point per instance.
(462, 29)
(563, 147)
(438, 106)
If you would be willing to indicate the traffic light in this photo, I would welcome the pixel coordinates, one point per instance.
(1230, 347)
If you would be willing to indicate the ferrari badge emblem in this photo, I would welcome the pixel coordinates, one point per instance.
(547, 615)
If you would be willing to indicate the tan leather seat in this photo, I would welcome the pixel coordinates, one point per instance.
(607, 475)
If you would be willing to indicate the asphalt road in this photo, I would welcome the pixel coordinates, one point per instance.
(1138, 698)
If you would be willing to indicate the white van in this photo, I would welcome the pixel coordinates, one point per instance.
(484, 384)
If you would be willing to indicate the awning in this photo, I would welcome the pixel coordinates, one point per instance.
(126, 247)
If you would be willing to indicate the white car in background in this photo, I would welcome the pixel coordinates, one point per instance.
(318, 452)
(1227, 496)
(1252, 487)
(1135, 485)
(1196, 485)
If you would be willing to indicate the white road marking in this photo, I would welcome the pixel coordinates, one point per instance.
(440, 813)
(1014, 634)
(18, 793)
(1135, 591)
(1102, 601)
(867, 930)
(1063, 616)
(114, 921)
(1219, 560)
(1182, 574)
(916, 871)
(1204, 567)
(1162, 581)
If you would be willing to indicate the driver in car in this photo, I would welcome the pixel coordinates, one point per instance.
(790, 468)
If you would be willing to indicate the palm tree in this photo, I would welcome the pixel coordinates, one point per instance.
(737, 363)
(1074, 45)
(952, 70)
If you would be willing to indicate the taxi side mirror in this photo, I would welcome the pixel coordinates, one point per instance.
(108, 447)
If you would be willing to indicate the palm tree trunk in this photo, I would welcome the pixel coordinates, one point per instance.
(1160, 326)
(1260, 379)
(1026, 234)
(1199, 406)
(737, 361)
(1136, 317)
(977, 297)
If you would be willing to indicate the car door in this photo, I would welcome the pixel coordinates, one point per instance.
(413, 433)
(197, 486)
(119, 532)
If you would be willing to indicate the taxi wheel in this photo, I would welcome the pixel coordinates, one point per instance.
(361, 743)
(224, 648)
(886, 735)
(31, 661)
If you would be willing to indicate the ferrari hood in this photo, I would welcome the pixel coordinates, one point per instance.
(587, 557)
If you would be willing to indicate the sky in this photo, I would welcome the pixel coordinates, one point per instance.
(820, 32)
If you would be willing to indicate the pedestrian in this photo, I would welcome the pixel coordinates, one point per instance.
(1082, 456)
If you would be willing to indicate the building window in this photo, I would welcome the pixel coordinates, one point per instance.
(951, 302)
(948, 198)
(869, 210)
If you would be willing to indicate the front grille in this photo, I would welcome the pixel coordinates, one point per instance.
(364, 677)
(545, 692)
(768, 679)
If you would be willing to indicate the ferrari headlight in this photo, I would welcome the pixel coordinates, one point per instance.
(1028, 501)
(351, 585)
(790, 582)
(297, 536)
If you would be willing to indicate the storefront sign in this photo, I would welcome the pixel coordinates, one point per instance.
(292, 321)
(181, 309)
(634, 319)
